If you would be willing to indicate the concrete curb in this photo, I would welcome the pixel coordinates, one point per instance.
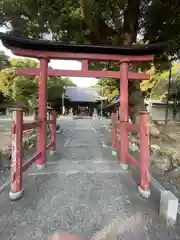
(161, 190)
(168, 203)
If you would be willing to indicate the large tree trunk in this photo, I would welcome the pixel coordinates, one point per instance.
(137, 104)
(136, 101)
(127, 36)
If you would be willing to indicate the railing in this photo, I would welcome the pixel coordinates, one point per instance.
(143, 164)
(17, 165)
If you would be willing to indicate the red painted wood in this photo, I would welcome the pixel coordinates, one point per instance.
(43, 73)
(30, 161)
(53, 131)
(80, 56)
(16, 160)
(114, 135)
(84, 65)
(132, 160)
(132, 127)
(118, 145)
(124, 92)
(144, 151)
(80, 73)
(13, 127)
(42, 113)
(32, 125)
(123, 146)
(123, 112)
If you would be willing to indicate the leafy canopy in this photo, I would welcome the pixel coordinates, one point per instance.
(157, 86)
(88, 21)
(113, 22)
(23, 90)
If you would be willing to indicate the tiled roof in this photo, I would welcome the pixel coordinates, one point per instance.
(77, 94)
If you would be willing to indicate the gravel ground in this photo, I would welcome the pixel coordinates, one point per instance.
(82, 190)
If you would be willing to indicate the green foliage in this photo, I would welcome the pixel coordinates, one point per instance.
(113, 94)
(23, 90)
(4, 62)
(67, 82)
(6, 81)
(87, 21)
(108, 88)
(162, 22)
(174, 93)
(18, 88)
(157, 86)
(148, 85)
(25, 62)
(111, 22)
(55, 89)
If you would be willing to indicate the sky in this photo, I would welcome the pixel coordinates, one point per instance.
(61, 64)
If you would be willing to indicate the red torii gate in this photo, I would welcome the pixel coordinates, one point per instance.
(46, 50)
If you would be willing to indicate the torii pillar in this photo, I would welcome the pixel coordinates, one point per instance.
(124, 117)
(42, 111)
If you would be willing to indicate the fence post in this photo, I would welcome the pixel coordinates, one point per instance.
(42, 112)
(123, 148)
(49, 117)
(16, 191)
(53, 132)
(114, 134)
(144, 187)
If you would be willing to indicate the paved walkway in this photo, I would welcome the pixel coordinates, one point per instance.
(82, 190)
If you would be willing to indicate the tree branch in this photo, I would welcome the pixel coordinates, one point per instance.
(86, 6)
(131, 17)
(96, 24)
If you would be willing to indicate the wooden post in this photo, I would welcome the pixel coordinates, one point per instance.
(114, 134)
(53, 132)
(123, 114)
(16, 191)
(144, 188)
(42, 112)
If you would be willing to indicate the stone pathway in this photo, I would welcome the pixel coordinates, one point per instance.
(82, 190)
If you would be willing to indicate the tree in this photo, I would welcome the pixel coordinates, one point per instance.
(157, 87)
(19, 89)
(4, 62)
(114, 22)
(56, 88)
(67, 82)
(108, 87)
(174, 95)
(23, 90)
